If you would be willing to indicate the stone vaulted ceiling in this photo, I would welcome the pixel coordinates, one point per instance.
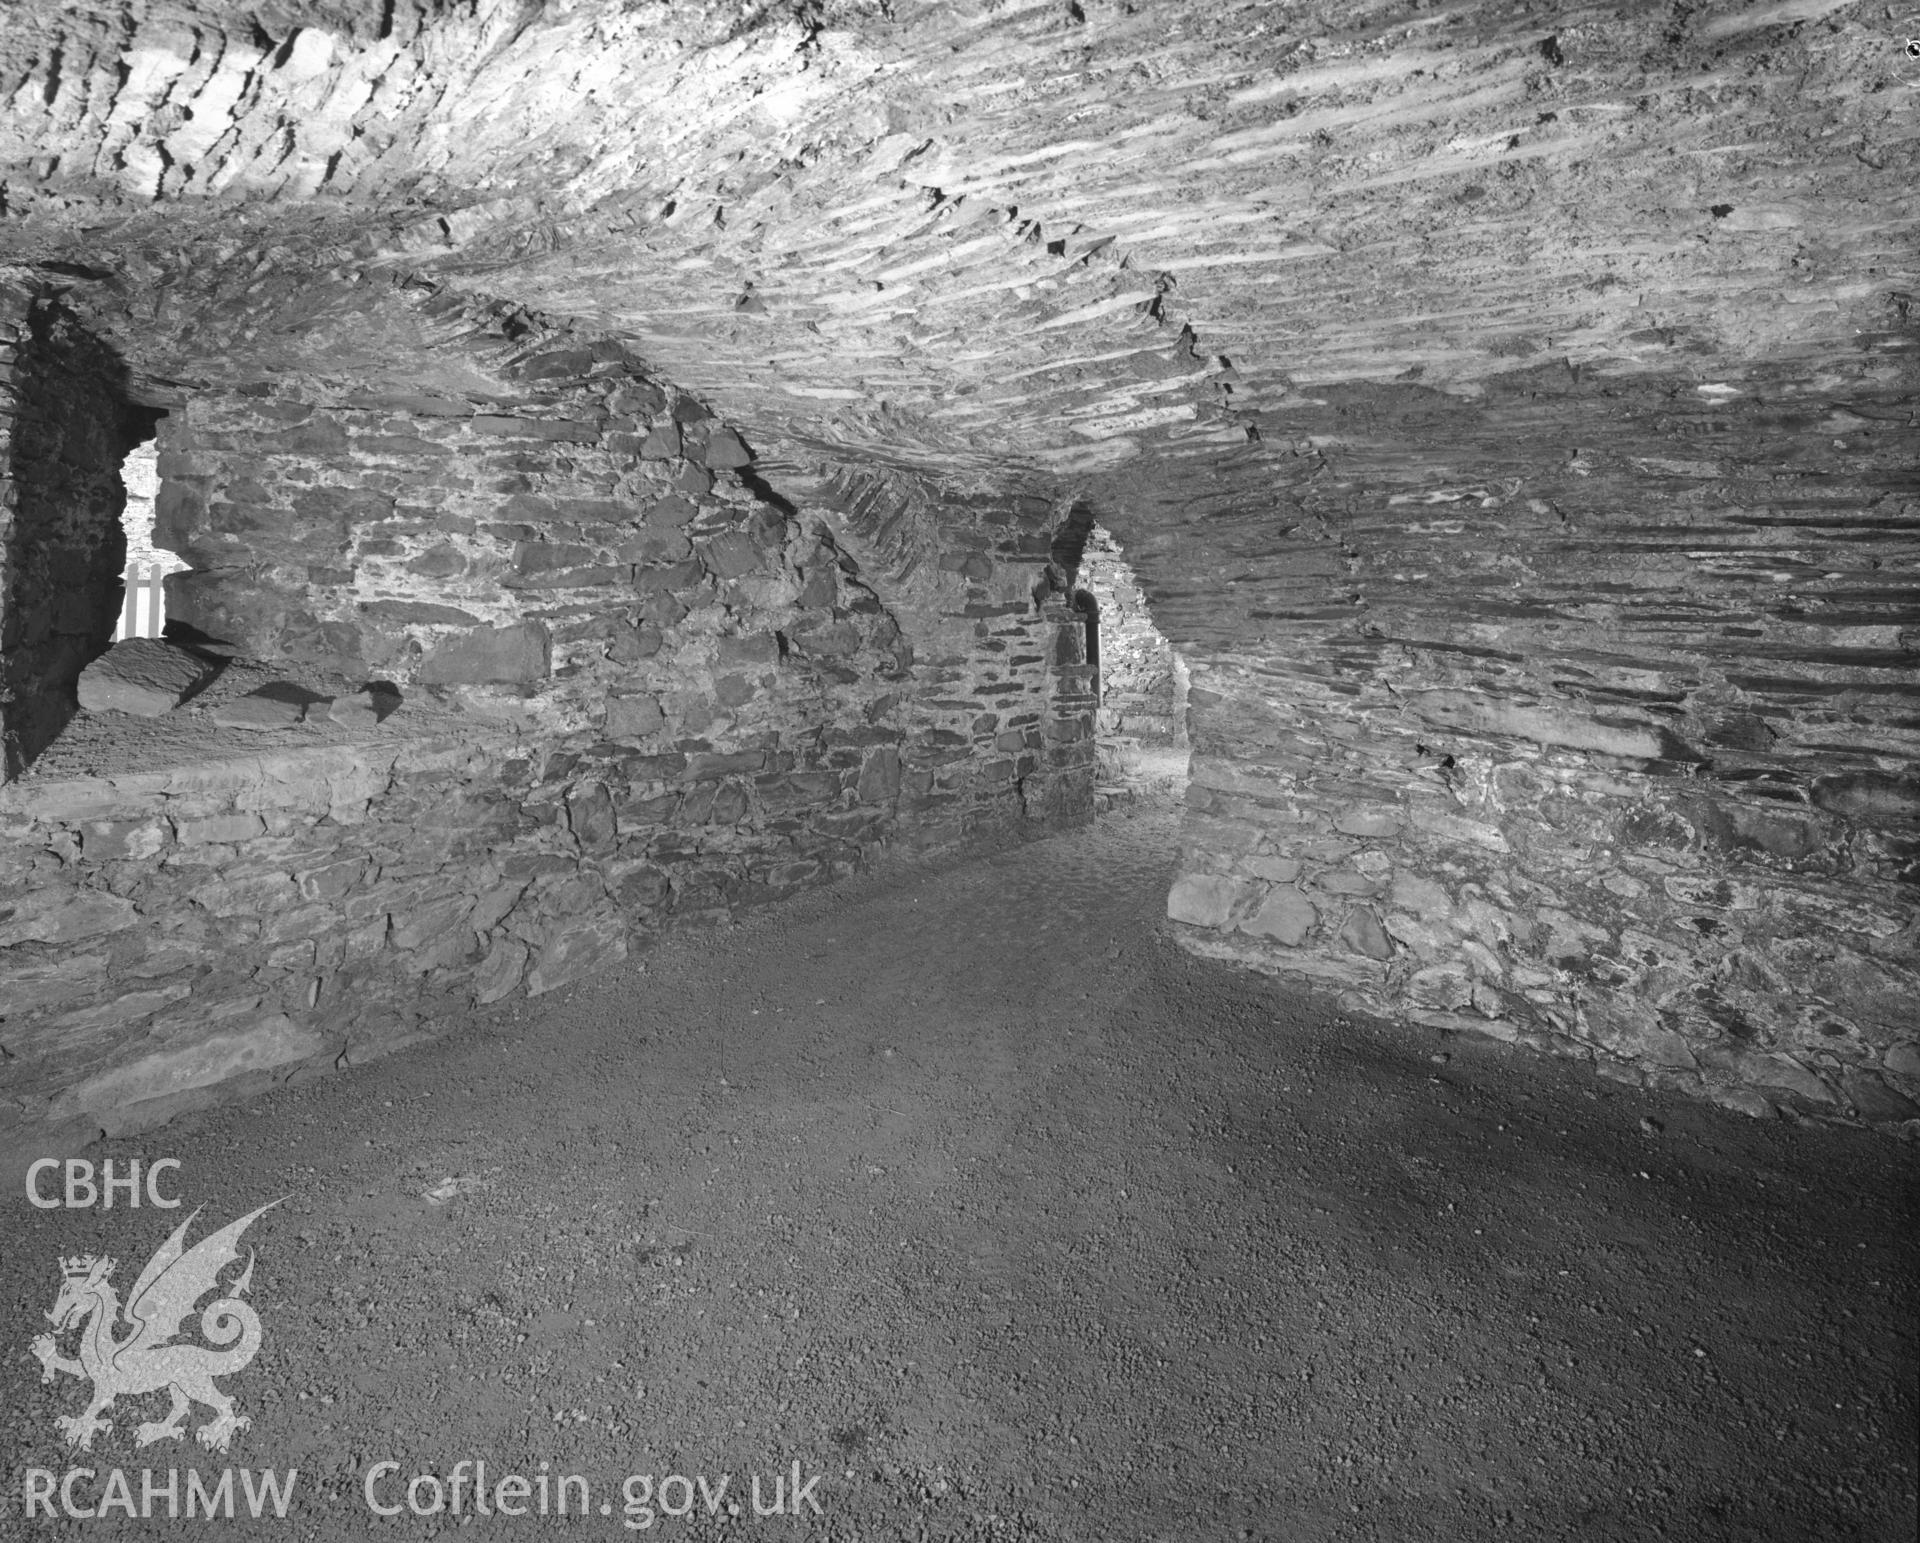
(1273, 284)
(1067, 234)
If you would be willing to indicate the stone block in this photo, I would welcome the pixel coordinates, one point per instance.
(514, 655)
(658, 611)
(494, 905)
(331, 881)
(1276, 870)
(732, 555)
(757, 648)
(589, 577)
(327, 514)
(879, 776)
(143, 676)
(1286, 916)
(832, 641)
(423, 925)
(539, 557)
(299, 955)
(1447, 986)
(670, 512)
(710, 764)
(501, 971)
(558, 430)
(1637, 1034)
(796, 790)
(555, 364)
(659, 768)
(359, 710)
(1364, 935)
(1423, 897)
(821, 590)
(1872, 798)
(632, 644)
(579, 947)
(633, 717)
(1206, 899)
(1372, 823)
(62, 916)
(226, 827)
(417, 613)
(655, 546)
(695, 481)
(108, 841)
(725, 451)
(590, 817)
(117, 1012)
(674, 576)
(641, 887)
(639, 399)
(247, 894)
(662, 442)
(1436, 820)
(1873, 1100)
(274, 1041)
(1735, 827)
(256, 710)
(1742, 1101)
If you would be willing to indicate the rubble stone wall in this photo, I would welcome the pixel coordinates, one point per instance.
(64, 428)
(1611, 753)
(686, 697)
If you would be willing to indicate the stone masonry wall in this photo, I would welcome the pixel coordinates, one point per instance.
(168, 931)
(1609, 749)
(64, 427)
(1006, 685)
(1727, 945)
(679, 694)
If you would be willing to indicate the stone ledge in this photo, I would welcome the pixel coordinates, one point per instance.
(291, 770)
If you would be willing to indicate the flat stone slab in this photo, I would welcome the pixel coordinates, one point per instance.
(255, 711)
(490, 655)
(358, 710)
(144, 676)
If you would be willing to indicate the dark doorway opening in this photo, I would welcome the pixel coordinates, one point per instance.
(62, 551)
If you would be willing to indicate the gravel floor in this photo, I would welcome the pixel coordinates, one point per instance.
(964, 1190)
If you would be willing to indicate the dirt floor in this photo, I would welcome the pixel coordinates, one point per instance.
(961, 1188)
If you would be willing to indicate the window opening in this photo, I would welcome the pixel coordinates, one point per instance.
(143, 610)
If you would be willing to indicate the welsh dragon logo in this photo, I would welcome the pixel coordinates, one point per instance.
(147, 1359)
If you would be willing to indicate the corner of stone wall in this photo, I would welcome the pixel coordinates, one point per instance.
(647, 693)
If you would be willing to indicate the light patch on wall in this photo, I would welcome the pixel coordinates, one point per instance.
(143, 614)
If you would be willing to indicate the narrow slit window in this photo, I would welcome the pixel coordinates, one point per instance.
(143, 612)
